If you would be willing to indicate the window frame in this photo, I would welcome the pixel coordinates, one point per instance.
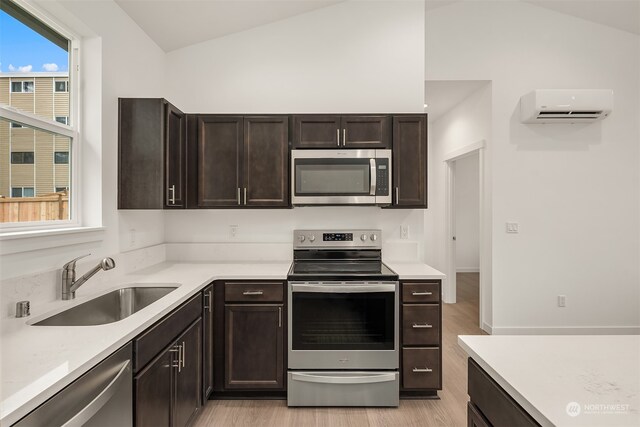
(66, 86)
(33, 158)
(21, 196)
(73, 132)
(66, 119)
(60, 163)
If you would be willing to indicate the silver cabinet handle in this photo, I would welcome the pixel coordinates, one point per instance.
(421, 325)
(351, 379)
(184, 351)
(397, 196)
(342, 289)
(245, 195)
(238, 196)
(344, 137)
(178, 349)
(338, 136)
(422, 370)
(100, 400)
(374, 178)
(421, 293)
(279, 317)
(172, 191)
(207, 301)
(252, 293)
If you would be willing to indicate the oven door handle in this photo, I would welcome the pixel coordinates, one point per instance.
(351, 379)
(343, 289)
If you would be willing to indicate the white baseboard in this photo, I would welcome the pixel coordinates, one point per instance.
(467, 270)
(487, 328)
(567, 330)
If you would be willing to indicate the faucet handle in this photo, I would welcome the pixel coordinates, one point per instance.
(71, 265)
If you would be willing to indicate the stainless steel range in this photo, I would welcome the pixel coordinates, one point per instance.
(343, 321)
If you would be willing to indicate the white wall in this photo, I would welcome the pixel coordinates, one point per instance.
(467, 210)
(131, 65)
(356, 56)
(574, 189)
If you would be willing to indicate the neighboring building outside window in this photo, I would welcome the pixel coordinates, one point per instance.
(61, 157)
(38, 132)
(22, 192)
(22, 158)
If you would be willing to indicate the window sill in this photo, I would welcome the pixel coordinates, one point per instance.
(25, 241)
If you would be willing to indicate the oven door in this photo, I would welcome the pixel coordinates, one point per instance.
(333, 177)
(343, 325)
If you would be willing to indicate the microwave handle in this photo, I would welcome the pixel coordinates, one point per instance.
(372, 167)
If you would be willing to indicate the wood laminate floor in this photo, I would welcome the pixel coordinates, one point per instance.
(450, 410)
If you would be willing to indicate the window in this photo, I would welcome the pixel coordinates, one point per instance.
(22, 158)
(38, 58)
(61, 86)
(22, 192)
(23, 86)
(61, 157)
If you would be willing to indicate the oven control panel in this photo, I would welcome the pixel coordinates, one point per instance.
(319, 239)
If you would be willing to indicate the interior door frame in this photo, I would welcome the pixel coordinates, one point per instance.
(450, 212)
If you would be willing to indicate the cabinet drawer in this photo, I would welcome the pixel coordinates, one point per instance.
(421, 292)
(421, 368)
(493, 402)
(420, 324)
(148, 344)
(253, 292)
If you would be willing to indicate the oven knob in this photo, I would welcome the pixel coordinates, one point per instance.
(312, 238)
(363, 237)
(301, 238)
(374, 237)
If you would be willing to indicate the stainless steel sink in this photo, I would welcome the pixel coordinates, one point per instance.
(108, 308)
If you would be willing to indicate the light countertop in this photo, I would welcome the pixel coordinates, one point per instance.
(414, 270)
(549, 375)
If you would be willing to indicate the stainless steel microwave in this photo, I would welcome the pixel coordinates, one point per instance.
(341, 177)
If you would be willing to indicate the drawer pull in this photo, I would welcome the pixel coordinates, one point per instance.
(421, 325)
(415, 294)
(422, 370)
(252, 293)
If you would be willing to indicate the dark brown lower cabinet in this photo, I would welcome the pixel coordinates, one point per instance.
(474, 417)
(154, 391)
(188, 379)
(254, 347)
(207, 342)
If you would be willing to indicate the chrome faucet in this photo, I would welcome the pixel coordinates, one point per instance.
(69, 283)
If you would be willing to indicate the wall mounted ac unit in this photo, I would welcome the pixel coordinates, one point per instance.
(566, 105)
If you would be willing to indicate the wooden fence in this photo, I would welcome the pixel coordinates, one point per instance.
(46, 207)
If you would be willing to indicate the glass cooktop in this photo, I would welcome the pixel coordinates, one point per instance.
(340, 270)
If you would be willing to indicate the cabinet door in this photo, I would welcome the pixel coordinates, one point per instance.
(266, 161)
(410, 161)
(188, 381)
(154, 392)
(254, 346)
(366, 132)
(207, 342)
(175, 151)
(315, 131)
(220, 145)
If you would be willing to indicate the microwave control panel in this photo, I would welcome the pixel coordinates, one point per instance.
(382, 177)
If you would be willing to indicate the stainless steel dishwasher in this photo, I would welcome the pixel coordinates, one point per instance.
(101, 397)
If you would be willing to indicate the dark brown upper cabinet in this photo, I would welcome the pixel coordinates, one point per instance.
(349, 131)
(241, 161)
(410, 161)
(151, 154)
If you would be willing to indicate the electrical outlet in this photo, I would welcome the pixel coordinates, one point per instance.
(513, 227)
(404, 232)
(562, 300)
(233, 231)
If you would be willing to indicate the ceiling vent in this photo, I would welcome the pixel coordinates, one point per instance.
(566, 105)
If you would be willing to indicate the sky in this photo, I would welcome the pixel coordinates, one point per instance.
(24, 50)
